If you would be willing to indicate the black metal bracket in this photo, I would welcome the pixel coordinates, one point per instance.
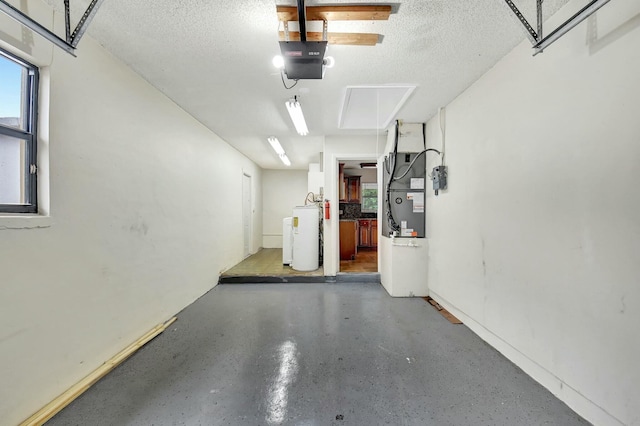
(72, 39)
(537, 40)
(302, 21)
(530, 32)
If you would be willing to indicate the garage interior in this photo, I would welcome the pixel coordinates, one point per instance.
(156, 171)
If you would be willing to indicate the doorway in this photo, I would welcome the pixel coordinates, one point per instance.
(246, 213)
(358, 231)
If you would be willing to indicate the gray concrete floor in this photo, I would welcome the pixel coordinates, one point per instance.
(315, 354)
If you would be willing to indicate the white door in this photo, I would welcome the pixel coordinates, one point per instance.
(246, 213)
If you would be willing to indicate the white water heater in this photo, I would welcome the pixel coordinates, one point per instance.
(287, 241)
(306, 238)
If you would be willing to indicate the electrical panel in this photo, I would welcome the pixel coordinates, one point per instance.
(404, 176)
(439, 178)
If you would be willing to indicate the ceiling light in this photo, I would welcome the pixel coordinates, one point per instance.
(278, 62)
(329, 62)
(295, 111)
(275, 144)
(285, 159)
(368, 165)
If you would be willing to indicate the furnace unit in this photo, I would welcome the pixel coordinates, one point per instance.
(404, 194)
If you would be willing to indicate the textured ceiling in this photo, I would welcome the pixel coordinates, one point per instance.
(213, 58)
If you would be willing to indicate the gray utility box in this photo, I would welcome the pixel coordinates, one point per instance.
(403, 196)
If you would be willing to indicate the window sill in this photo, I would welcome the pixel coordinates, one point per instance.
(27, 221)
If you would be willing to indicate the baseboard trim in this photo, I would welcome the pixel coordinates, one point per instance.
(586, 408)
(55, 406)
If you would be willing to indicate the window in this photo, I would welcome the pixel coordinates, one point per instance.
(369, 197)
(18, 106)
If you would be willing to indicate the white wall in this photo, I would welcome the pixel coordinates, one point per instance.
(282, 190)
(342, 148)
(536, 243)
(145, 212)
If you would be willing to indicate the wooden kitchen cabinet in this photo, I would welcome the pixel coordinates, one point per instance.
(352, 189)
(368, 233)
(348, 186)
(365, 233)
(348, 239)
(341, 183)
(374, 233)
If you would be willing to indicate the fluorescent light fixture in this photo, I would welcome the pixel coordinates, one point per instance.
(285, 159)
(275, 144)
(295, 111)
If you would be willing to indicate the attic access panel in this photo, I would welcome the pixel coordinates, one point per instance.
(372, 107)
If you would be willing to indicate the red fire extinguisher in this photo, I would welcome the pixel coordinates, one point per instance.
(327, 210)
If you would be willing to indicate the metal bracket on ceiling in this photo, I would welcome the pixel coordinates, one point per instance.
(540, 43)
(530, 32)
(71, 38)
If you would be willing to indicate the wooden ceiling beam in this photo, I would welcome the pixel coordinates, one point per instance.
(351, 39)
(336, 13)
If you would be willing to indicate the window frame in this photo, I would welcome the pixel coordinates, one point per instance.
(363, 187)
(29, 135)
